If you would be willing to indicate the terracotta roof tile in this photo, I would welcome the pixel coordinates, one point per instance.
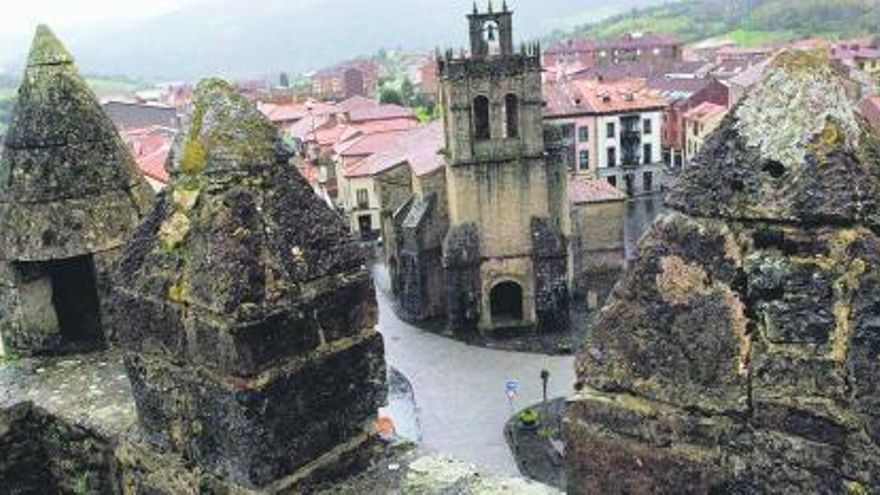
(419, 147)
(584, 190)
(579, 97)
(153, 164)
(380, 112)
(705, 111)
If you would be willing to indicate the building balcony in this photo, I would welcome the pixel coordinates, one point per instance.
(630, 137)
(631, 161)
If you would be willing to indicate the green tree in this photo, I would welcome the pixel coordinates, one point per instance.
(408, 92)
(390, 95)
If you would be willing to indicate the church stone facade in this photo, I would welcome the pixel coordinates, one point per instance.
(492, 248)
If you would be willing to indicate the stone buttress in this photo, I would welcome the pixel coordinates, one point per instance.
(247, 310)
(70, 195)
(739, 353)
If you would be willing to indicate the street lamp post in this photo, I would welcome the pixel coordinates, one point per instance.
(545, 377)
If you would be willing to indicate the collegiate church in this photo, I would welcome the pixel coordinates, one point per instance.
(485, 243)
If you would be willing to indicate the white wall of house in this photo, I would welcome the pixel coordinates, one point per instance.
(645, 177)
(354, 209)
(603, 142)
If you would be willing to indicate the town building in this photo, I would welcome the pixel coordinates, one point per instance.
(630, 47)
(138, 115)
(598, 210)
(355, 172)
(683, 94)
(699, 123)
(150, 148)
(352, 78)
(613, 129)
(504, 256)
(70, 197)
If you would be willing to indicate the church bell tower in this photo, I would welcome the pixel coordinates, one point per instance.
(505, 253)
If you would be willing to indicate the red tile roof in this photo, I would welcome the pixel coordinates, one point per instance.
(153, 164)
(368, 144)
(149, 147)
(584, 190)
(356, 102)
(585, 97)
(419, 147)
(287, 112)
(704, 111)
(870, 109)
(380, 112)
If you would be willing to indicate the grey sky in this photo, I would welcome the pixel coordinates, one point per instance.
(19, 17)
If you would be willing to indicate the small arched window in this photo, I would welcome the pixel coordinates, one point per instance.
(481, 118)
(511, 116)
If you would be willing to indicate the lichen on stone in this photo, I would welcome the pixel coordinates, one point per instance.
(679, 281)
(793, 105)
(174, 231)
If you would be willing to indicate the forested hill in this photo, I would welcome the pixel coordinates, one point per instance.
(748, 22)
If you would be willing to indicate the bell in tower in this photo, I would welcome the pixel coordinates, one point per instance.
(491, 32)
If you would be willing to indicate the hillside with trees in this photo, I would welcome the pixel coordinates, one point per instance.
(748, 22)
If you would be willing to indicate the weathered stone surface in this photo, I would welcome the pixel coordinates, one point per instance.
(739, 352)
(42, 454)
(70, 194)
(261, 429)
(247, 309)
(793, 150)
(68, 185)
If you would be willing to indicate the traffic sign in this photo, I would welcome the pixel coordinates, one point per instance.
(511, 385)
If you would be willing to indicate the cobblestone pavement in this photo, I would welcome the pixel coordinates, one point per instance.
(459, 389)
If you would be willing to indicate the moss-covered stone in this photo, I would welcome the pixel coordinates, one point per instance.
(738, 354)
(247, 308)
(71, 186)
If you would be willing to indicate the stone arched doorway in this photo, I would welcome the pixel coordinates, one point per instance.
(506, 302)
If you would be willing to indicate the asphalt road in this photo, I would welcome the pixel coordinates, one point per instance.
(460, 389)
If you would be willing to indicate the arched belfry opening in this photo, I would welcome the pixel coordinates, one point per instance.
(492, 37)
(511, 116)
(506, 301)
(481, 118)
(491, 32)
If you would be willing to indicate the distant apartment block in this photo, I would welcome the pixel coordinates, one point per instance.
(683, 94)
(631, 47)
(613, 131)
(354, 78)
(699, 123)
(135, 115)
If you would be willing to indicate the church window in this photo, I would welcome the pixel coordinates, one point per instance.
(511, 114)
(481, 118)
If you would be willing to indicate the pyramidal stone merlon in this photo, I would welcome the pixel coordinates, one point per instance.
(738, 354)
(70, 195)
(246, 308)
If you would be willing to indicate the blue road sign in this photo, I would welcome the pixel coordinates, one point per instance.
(511, 385)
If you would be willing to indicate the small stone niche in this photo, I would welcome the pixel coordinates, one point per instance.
(58, 307)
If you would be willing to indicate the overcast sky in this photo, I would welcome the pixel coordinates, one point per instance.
(19, 17)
